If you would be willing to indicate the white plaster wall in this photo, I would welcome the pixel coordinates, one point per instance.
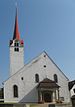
(27, 87)
(16, 60)
(62, 80)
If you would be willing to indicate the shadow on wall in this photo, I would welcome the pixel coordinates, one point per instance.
(32, 96)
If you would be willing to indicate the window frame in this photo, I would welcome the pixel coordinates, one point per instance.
(15, 91)
(36, 78)
(16, 44)
(16, 49)
(56, 78)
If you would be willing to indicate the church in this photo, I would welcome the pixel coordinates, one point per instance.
(41, 80)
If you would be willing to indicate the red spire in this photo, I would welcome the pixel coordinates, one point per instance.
(16, 34)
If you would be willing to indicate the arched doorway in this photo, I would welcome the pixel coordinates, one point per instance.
(47, 96)
(48, 91)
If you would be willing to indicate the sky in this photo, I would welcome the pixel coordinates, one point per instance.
(44, 25)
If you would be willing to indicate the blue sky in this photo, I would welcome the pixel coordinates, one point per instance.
(44, 25)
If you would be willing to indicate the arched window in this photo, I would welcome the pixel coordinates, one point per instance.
(36, 78)
(15, 91)
(55, 78)
(16, 49)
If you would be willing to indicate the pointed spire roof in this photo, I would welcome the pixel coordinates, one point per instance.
(16, 34)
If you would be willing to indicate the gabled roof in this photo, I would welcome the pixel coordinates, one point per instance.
(47, 83)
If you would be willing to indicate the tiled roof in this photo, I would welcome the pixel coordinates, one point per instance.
(47, 83)
(16, 34)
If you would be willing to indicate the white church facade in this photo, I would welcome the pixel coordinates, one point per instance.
(41, 80)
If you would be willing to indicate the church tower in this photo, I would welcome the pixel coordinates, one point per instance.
(16, 50)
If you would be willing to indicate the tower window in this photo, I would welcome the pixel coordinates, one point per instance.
(55, 78)
(36, 78)
(15, 91)
(16, 44)
(16, 49)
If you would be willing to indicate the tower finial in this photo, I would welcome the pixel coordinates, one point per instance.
(16, 7)
(16, 4)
